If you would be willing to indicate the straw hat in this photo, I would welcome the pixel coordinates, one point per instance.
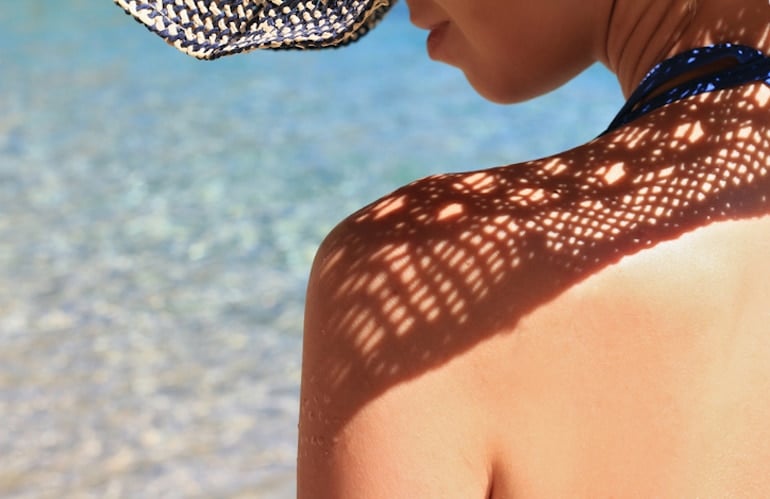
(208, 29)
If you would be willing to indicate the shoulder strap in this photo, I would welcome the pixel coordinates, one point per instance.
(752, 66)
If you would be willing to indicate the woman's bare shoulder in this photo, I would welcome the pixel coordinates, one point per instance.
(427, 272)
(403, 289)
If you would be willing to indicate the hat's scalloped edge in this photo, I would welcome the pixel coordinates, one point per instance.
(139, 12)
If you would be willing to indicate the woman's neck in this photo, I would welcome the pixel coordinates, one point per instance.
(643, 33)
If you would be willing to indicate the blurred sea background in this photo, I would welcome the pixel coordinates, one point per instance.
(158, 218)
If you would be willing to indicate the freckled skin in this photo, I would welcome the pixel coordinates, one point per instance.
(591, 324)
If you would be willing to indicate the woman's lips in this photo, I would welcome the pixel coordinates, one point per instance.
(436, 35)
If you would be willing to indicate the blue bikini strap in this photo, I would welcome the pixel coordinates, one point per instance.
(752, 66)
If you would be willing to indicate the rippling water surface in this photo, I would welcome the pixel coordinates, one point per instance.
(158, 217)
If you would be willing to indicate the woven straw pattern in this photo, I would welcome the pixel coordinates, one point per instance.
(208, 29)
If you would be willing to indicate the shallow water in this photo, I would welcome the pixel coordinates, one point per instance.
(158, 217)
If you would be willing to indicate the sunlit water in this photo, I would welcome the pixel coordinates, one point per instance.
(158, 217)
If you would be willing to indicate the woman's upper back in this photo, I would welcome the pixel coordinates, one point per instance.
(648, 379)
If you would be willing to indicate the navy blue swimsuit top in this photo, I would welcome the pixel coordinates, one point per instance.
(752, 66)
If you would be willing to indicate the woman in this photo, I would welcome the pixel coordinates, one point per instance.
(591, 324)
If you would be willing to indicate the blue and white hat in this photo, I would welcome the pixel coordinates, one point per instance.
(208, 29)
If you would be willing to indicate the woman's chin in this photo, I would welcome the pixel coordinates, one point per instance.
(509, 89)
(497, 92)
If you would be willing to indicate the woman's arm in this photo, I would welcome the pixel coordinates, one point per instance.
(370, 426)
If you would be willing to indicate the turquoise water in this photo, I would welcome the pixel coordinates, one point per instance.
(158, 217)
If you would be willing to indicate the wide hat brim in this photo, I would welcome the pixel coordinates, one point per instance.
(208, 29)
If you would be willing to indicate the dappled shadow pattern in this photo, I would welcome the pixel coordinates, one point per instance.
(426, 273)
